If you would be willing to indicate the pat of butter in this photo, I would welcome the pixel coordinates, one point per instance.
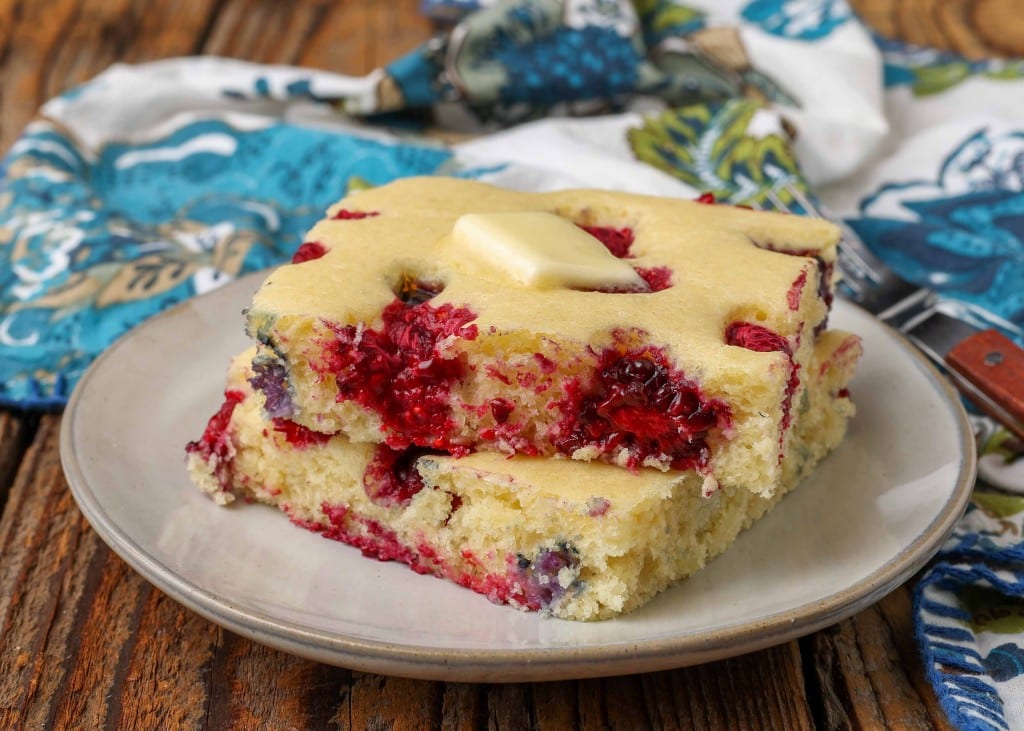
(539, 250)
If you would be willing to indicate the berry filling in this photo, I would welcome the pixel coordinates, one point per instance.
(761, 339)
(346, 215)
(375, 541)
(400, 372)
(619, 242)
(215, 446)
(796, 290)
(501, 409)
(755, 337)
(297, 435)
(825, 271)
(391, 477)
(616, 240)
(639, 404)
(308, 251)
(657, 278)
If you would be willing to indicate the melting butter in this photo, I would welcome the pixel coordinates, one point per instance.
(537, 250)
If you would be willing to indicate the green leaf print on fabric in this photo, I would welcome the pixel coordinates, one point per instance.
(1005, 444)
(661, 19)
(936, 79)
(736, 150)
(999, 505)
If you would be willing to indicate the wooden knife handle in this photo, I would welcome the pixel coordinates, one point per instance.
(994, 366)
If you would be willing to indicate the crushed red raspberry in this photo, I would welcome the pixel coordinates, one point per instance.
(374, 540)
(639, 403)
(761, 339)
(616, 240)
(657, 278)
(308, 251)
(755, 337)
(825, 272)
(215, 446)
(399, 372)
(346, 215)
(501, 409)
(706, 198)
(456, 503)
(796, 290)
(299, 436)
(391, 477)
(215, 439)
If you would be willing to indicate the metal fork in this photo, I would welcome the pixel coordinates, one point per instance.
(984, 365)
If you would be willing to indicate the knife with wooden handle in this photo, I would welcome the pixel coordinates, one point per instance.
(985, 366)
(992, 366)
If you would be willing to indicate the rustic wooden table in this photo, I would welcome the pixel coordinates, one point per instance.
(87, 643)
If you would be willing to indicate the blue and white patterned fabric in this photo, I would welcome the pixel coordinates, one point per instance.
(154, 183)
(97, 237)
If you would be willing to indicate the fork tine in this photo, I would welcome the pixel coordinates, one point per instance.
(803, 201)
(856, 259)
(777, 203)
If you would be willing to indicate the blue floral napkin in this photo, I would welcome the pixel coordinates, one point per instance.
(154, 183)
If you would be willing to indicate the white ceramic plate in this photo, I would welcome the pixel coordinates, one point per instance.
(869, 517)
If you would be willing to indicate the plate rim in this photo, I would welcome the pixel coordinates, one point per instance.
(524, 664)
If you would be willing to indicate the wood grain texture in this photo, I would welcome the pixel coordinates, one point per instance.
(85, 642)
(868, 672)
(15, 432)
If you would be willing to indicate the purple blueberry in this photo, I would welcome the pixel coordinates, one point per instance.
(540, 577)
(270, 377)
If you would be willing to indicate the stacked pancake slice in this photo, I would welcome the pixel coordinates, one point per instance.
(563, 401)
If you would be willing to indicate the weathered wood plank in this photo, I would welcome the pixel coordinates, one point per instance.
(49, 46)
(556, 705)
(90, 42)
(36, 30)
(15, 432)
(43, 574)
(357, 37)
(252, 686)
(897, 611)
(264, 31)
(166, 28)
(861, 667)
(103, 626)
(163, 675)
(509, 707)
(463, 707)
(614, 703)
(763, 690)
(376, 701)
